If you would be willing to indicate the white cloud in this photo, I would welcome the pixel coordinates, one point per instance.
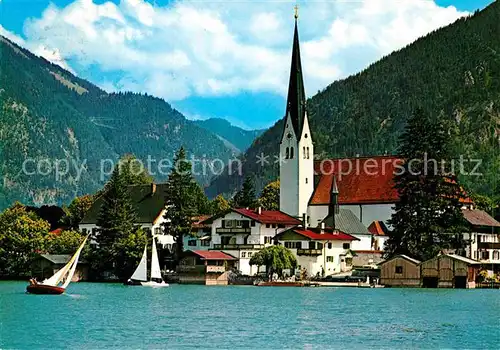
(222, 48)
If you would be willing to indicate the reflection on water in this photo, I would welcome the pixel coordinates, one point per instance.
(116, 316)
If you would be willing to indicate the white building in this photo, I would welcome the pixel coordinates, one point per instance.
(201, 235)
(149, 203)
(243, 232)
(319, 252)
(483, 239)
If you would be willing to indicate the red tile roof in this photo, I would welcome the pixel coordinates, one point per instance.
(327, 236)
(268, 216)
(213, 255)
(479, 218)
(360, 180)
(378, 228)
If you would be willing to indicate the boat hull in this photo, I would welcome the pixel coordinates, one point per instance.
(154, 284)
(44, 289)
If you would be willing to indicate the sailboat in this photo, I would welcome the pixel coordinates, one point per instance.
(141, 272)
(64, 276)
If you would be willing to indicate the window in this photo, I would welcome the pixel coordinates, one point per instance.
(192, 243)
(287, 155)
(319, 246)
(267, 239)
(305, 136)
(346, 246)
(329, 259)
(225, 240)
(291, 152)
(205, 243)
(306, 179)
(268, 225)
(485, 255)
(293, 245)
(304, 152)
(243, 254)
(399, 269)
(330, 245)
(252, 223)
(157, 230)
(307, 152)
(496, 255)
(84, 231)
(249, 254)
(273, 225)
(312, 245)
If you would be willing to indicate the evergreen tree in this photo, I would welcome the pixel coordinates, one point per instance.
(202, 204)
(179, 201)
(428, 216)
(219, 205)
(116, 221)
(245, 198)
(270, 197)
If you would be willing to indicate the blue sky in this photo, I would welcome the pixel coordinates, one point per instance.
(226, 59)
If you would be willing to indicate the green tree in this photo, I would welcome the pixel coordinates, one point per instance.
(76, 210)
(66, 242)
(219, 205)
(270, 197)
(22, 236)
(428, 216)
(128, 252)
(245, 198)
(116, 221)
(134, 171)
(201, 201)
(275, 258)
(179, 201)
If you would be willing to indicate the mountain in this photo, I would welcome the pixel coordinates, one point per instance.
(454, 70)
(51, 119)
(238, 138)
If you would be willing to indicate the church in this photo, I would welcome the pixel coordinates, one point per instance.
(311, 189)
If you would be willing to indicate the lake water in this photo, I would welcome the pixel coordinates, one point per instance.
(104, 316)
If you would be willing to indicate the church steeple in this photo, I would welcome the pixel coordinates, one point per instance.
(296, 101)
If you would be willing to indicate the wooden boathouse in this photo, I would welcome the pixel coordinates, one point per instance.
(400, 271)
(449, 271)
(205, 267)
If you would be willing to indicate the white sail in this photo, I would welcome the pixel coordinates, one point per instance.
(69, 277)
(141, 272)
(60, 274)
(155, 263)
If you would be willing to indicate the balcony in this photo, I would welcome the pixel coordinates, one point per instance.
(233, 230)
(238, 246)
(487, 245)
(311, 252)
(200, 269)
(213, 268)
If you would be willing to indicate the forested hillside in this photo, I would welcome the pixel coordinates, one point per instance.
(48, 115)
(236, 137)
(454, 70)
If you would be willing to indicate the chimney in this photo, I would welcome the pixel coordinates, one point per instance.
(153, 189)
(304, 221)
(333, 207)
(259, 210)
(322, 227)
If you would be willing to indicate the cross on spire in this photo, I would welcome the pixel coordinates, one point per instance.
(296, 8)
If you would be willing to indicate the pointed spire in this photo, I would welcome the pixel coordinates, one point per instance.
(296, 101)
(335, 189)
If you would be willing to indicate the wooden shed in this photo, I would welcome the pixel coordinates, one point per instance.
(449, 271)
(400, 271)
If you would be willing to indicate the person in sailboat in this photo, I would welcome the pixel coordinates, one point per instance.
(33, 281)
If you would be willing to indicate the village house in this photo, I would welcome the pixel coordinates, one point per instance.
(46, 265)
(242, 232)
(205, 267)
(483, 239)
(320, 252)
(149, 203)
(201, 234)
